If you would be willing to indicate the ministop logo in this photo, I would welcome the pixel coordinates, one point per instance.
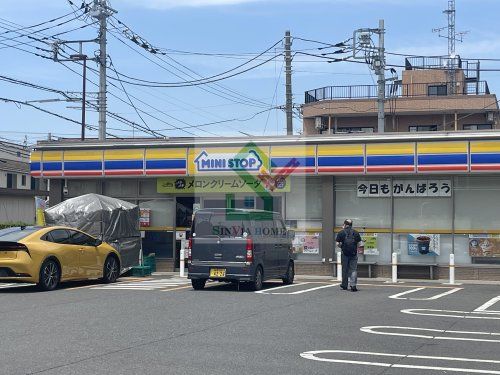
(249, 161)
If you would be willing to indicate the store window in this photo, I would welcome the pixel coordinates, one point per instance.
(81, 187)
(423, 228)
(120, 188)
(371, 217)
(303, 214)
(161, 213)
(477, 222)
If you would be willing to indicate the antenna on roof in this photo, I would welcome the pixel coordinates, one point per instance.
(452, 37)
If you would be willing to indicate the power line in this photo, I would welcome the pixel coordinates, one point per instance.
(166, 84)
(209, 89)
(18, 102)
(158, 51)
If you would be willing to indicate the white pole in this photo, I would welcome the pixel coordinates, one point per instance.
(452, 268)
(394, 267)
(182, 265)
(339, 266)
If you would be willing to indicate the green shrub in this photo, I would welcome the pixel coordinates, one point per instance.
(12, 224)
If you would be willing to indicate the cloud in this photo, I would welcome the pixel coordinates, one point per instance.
(168, 4)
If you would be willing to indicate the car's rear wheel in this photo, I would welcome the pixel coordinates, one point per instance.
(50, 274)
(198, 284)
(111, 270)
(258, 279)
(290, 274)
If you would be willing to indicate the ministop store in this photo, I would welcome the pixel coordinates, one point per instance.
(422, 196)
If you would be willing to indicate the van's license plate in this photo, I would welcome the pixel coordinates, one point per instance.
(217, 272)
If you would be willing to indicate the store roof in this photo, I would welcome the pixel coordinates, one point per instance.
(75, 143)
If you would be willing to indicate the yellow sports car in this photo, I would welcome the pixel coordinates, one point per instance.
(49, 255)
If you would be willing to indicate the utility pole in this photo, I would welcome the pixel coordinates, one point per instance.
(288, 83)
(101, 11)
(365, 49)
(380, 71)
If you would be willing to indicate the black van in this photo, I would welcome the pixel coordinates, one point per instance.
(238, 245)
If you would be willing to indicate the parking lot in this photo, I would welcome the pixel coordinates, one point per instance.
(160, 325)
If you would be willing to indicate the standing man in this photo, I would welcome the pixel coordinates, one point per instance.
(348, 240)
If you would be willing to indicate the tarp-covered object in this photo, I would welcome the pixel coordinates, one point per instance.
(112, 220)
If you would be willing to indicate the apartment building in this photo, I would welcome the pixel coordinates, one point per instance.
(17, 187)
(426, 98)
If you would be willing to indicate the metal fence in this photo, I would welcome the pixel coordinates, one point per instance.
(394, 90)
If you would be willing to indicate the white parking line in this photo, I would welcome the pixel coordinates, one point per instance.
(153, 284)
(312, 355)
(421, 333)
(14, 285)
(437, 296)
(272, 291)
(491, 302)
(453, 314)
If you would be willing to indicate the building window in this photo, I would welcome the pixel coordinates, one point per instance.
(478, 127)
(438, 90)
(345, 129)
(23, 180)
(423, 128)
(11, 181)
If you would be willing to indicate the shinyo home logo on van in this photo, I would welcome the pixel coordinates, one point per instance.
(249, 161)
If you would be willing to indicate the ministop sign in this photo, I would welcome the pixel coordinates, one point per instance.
(227, 162)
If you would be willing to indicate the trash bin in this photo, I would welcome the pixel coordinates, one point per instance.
(150, 261)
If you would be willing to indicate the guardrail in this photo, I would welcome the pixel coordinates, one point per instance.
(395, 90)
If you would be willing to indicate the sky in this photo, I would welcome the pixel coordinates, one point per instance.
(218, 35)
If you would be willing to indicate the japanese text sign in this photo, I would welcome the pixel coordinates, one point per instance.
(234, 184)
(404, 188)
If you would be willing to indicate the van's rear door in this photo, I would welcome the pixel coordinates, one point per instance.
(219, 236)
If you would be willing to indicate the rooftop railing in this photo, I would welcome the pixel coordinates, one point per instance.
(395, 90)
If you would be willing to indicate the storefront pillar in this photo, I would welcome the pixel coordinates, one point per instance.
(56, 191)
(328, 216)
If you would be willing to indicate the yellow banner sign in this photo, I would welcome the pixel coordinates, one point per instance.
(235, 184)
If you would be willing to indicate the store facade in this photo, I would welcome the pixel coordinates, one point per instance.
(423, 197)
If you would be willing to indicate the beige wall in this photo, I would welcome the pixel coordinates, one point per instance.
(430, 76)
(401, 123)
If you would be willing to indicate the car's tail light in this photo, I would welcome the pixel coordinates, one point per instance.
(189, 247)
(13, 246)
(249, 251)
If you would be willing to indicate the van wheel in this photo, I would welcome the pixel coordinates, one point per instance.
(290, 274)
(258, 280)
(198, 284)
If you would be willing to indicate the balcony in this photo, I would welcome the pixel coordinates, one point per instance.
(395, 90)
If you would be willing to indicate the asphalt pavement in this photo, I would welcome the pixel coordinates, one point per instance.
(160, 325)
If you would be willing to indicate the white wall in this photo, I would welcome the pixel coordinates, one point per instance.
(14, 209)
(3, 180)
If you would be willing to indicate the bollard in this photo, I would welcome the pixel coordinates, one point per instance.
(452, 268)
(394, 267)
(181, 261)
(339, 266)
